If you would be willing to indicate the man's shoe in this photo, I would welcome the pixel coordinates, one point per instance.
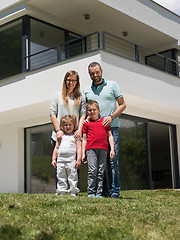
(98, 196)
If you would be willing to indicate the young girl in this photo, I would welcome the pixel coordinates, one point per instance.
(66, 151)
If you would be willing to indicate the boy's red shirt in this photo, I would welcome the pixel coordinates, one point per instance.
(96, 134)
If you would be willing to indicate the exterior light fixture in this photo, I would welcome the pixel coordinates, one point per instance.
(86, 16)
(125, 34)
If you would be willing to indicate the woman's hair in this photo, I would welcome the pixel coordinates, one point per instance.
(71, 118)
(76, 90)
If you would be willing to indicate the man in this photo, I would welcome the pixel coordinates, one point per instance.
(107, 94)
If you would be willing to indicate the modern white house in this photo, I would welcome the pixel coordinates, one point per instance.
(137, 43)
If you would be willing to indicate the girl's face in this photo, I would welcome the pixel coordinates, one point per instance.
(68, 128)
(71, 82)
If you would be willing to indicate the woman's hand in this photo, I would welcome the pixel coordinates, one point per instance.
(59, 134)
(77, 134)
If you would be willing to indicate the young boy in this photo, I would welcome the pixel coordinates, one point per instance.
(95, 146)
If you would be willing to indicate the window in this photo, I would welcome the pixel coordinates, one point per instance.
(11, 49)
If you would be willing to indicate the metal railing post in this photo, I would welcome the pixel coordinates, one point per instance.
(165, 64)
(103, 40)
(58, 53)
(98, 38)
(136, 53)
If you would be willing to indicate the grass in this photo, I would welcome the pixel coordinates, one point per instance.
(136, 215)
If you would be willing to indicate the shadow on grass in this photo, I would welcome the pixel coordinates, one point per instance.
(9, 232)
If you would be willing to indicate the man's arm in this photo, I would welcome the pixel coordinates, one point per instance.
(84, 147)
(122, 105)
(111, 143)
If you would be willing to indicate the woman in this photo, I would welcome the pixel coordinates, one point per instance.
(69, 101)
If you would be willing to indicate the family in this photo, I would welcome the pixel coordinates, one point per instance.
(86, 130)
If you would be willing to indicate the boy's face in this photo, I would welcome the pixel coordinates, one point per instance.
(93, 112)
(68, 127)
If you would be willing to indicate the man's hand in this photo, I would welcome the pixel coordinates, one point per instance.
(106, 121)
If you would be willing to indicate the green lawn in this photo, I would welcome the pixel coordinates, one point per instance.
(136, 215)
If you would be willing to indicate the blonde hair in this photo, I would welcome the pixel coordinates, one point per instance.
(71, 118)
(76, 90)
(90, 103)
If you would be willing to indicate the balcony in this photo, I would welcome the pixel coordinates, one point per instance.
(107, 42)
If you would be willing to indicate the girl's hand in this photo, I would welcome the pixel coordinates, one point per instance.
(54, 163)
(112, 155)
(86, 120)
(77, 164)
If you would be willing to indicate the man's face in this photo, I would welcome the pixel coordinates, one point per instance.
(96, 75)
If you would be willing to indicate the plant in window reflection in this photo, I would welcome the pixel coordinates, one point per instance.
(133, 157)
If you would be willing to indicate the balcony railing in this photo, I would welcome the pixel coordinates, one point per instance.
(110, 43)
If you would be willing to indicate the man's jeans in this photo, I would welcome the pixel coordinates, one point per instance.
(111, 184)
(115, 184)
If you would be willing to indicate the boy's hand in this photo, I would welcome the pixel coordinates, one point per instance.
(77, 164)
(112, 155)
(54, 163)
(83, 158)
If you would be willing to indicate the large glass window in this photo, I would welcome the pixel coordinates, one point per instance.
(11, 49)
(133, 155)
(42, 37)
(39, 172)
(146, 157)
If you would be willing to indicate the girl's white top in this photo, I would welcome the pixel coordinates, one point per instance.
(67, 149)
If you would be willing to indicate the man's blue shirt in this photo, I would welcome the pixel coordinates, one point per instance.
(106, 95)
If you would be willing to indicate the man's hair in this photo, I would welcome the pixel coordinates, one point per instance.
(90, 103)
(71, 118)
(93, 64)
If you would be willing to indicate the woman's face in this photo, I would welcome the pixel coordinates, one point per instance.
(71, 82)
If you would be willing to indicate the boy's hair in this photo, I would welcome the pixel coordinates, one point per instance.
(90, 103)
(66, 118)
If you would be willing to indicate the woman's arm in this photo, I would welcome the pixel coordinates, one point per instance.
(59, 132)
(79, 153)
(84, 147)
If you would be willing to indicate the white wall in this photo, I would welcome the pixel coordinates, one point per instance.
(148, 92)
(11, 159)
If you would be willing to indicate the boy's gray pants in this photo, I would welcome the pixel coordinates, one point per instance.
(96, 159)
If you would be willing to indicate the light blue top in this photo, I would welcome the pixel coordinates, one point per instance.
(106, 95)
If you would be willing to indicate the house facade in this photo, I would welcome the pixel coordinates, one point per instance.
(137, 44)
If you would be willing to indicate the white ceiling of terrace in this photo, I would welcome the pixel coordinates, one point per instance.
(102, 18)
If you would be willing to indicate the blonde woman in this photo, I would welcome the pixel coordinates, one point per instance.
(67, 102)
